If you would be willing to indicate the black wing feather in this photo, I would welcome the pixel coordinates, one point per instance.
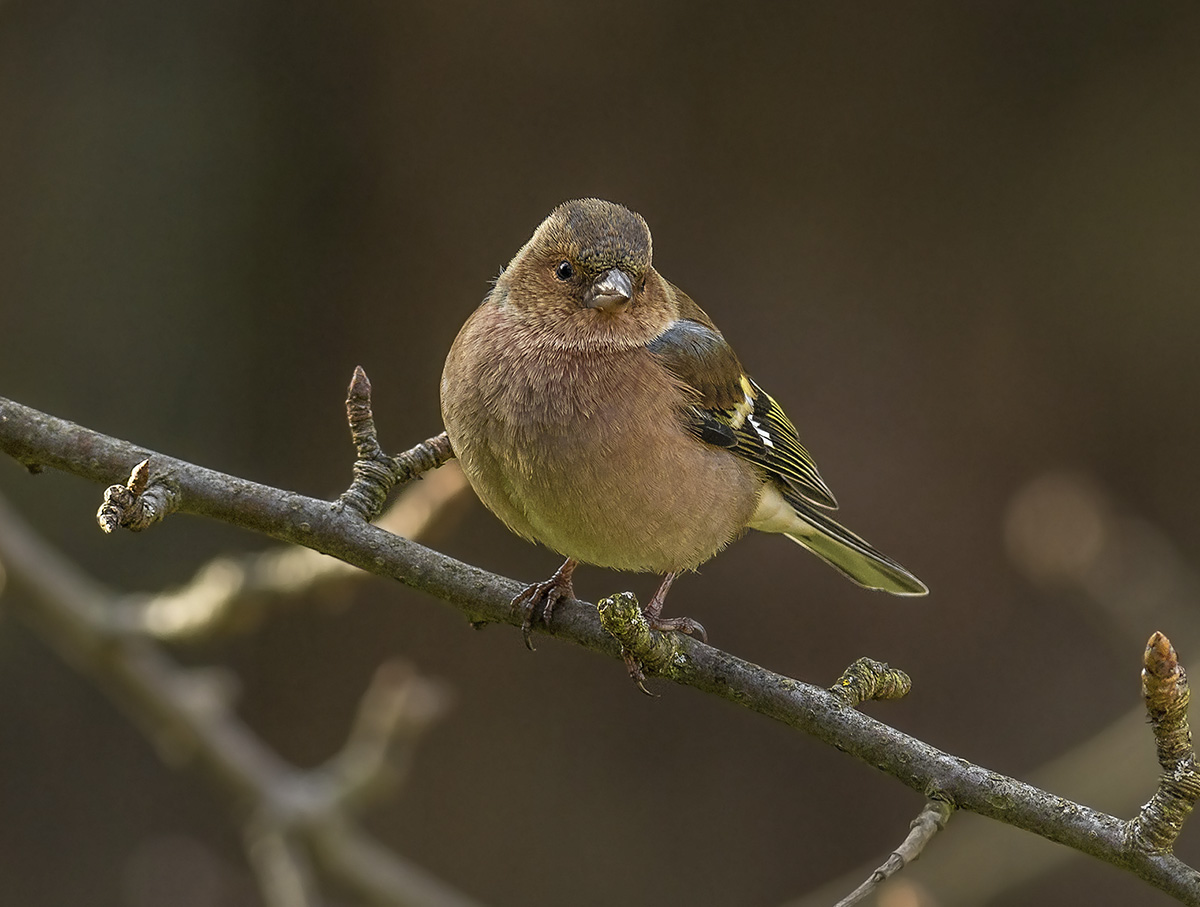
(733, 411)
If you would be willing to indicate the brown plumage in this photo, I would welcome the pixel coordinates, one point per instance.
(597, 409)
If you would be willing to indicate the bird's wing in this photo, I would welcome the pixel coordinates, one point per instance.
(732, 410)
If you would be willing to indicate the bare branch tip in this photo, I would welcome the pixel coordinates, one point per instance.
(1166, 693)
(358, 398)
(1164, 682)
(358, 407)
(1160, 659)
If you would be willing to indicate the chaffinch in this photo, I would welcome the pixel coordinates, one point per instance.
(595, 408)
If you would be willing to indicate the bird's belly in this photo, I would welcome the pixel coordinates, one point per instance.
(672, 524)
(627, 498)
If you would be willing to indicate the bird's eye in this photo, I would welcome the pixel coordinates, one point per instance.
(564, 271)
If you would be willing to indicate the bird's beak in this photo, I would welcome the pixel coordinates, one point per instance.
(611, 290)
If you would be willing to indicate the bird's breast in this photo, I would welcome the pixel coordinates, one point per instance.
(585, 451)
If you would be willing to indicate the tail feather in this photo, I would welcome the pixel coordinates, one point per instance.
(853, 556)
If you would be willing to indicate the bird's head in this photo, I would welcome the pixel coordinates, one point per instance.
(588, 264)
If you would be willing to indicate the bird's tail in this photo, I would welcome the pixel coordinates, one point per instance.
(855, 557)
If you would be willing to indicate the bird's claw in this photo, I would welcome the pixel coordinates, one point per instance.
(549, 593)
(636, 674)
(678, 625)
(526, 604)
(653, 610)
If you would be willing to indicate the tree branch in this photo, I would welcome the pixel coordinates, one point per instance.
(37, 439)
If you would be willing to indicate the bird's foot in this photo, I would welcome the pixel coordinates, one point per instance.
(678, 625)
(548, 593)
(653, 610)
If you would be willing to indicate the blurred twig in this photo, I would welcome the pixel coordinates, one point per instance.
(231, 592)
(932, 819)
(294, 817)
(37, 439)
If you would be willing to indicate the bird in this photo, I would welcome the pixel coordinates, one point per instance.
(595, 408)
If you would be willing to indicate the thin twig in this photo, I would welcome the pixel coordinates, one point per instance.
(929, 822)
(284, 871)
(393, 715)
(375, 473)
(1165, 689)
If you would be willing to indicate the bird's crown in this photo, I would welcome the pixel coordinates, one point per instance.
(597, 235)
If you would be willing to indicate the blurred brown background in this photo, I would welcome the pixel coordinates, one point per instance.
(957, 241)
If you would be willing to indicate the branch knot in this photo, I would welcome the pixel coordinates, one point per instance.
(869, 679)
(641, 646)
(140, 503)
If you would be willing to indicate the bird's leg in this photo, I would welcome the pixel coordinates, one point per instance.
(654, 607)
(554, 590)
